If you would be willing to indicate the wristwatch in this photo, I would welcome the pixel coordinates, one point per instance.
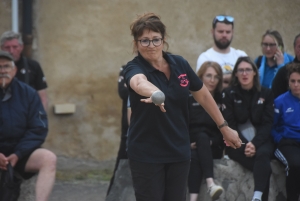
(223, 124)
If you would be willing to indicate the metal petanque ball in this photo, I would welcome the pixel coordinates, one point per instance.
(158, 97)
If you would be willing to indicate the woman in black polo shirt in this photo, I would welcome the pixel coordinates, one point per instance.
(248, 108)
(158, 139)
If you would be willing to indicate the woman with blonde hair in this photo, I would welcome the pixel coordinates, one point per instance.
(206, 139)
(273, 57)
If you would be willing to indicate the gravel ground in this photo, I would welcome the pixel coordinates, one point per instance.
(79, 191)
(81, 180)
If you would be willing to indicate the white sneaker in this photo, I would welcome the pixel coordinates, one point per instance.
(215, 191)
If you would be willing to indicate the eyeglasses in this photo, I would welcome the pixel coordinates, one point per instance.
(222, 18)
(211, 77)
(146, 42)
(247, 71)
(266, 45)
(6, 67)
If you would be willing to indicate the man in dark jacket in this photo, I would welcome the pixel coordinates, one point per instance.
(280, 83)
(123, 93)
(23, 129)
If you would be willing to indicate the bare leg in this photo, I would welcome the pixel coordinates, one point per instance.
(42, 161)
(210, 182)
(194, 196)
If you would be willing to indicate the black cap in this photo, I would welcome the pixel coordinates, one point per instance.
(6, 55)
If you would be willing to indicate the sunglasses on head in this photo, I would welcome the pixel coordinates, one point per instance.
(222, 18)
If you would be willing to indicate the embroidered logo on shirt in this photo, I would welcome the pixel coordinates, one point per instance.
(289, 110)
(260, 101)
(183, 80)
(196, 104)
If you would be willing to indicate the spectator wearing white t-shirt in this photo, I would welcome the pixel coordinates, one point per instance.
(221, 52)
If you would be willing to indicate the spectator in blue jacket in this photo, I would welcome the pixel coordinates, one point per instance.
(273, 57)
(286, 130)
(23, 129)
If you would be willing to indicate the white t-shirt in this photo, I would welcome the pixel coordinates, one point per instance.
(226, 61)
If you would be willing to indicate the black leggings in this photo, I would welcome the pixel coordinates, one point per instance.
(202, 161)
(159, 181)
(260, 165)
(291, 151)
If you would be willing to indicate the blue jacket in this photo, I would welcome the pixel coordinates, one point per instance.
(286, 118)
(263, 65)
(23, 121)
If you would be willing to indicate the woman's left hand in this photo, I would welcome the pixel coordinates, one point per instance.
(161, 106)
(231, 137)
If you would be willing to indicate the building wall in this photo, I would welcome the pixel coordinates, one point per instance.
(82, 44)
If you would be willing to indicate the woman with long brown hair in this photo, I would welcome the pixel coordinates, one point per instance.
(248, 108)
(206, 139)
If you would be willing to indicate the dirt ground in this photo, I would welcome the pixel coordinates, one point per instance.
(81, 180)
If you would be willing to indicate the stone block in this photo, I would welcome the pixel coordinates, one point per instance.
(66, 108)
(237, 182)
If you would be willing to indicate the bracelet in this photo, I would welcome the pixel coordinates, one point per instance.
(223, 124)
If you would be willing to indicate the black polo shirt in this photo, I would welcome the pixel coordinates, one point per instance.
(155, 136)
(36, 78)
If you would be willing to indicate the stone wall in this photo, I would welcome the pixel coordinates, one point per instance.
(82, 44)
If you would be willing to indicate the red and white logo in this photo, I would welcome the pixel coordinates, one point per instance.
(183, 80)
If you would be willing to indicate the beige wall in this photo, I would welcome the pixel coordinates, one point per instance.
(82, 44)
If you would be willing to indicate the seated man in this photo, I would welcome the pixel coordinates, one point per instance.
(23, 129)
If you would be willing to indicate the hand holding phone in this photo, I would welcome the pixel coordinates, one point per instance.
(278, 56)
